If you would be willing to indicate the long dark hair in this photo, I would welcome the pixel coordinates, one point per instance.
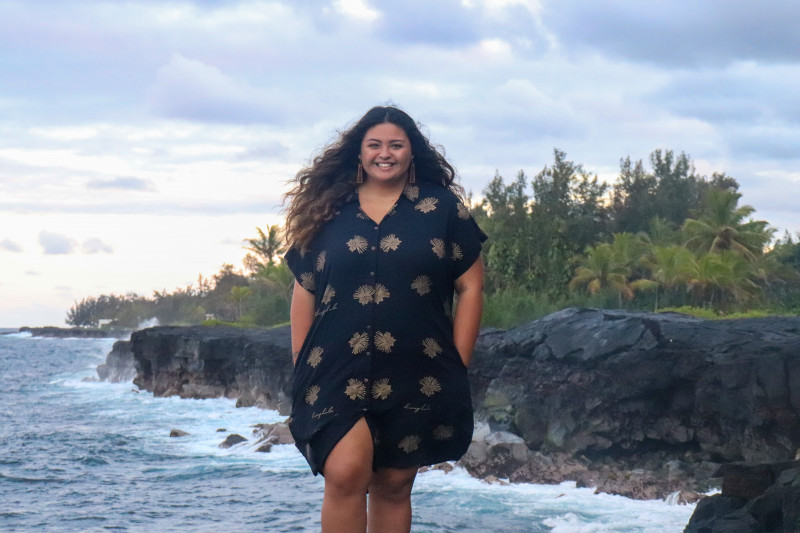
(321, 188)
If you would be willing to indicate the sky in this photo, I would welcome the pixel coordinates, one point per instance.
(142, 141)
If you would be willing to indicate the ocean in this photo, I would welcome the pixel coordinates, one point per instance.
(83, 456)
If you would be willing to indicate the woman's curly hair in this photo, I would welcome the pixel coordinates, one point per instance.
(323, 187)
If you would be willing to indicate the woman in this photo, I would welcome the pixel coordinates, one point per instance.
(379, 242)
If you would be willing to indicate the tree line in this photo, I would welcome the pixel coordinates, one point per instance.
(659, 237)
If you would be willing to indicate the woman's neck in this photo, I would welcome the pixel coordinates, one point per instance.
(376, 189)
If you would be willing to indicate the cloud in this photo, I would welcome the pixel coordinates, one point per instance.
(441, 23)
(124, 183)
(263, 151)
(192, 90)
(673, 33)
(56, 244)
(10, 246)
(95, 245)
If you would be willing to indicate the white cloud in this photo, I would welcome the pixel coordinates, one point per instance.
(10, 246)
(192, 90)
(123, 183)
(94, 245)
(56, 244)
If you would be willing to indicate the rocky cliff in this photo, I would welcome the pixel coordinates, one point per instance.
(638, 404)
(253, 366)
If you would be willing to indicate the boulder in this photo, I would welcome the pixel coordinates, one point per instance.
(757, 498)
(232, 440)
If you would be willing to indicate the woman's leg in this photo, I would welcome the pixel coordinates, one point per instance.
(390, 500)
(347, 471)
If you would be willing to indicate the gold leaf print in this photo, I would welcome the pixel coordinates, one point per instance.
(442, 432)
(457, 254)
(328, 295)
(357, 244)
(359, 342)
(314, 356)
(384, 341)
(463, 212)
(390, 242)
(431, 348)
(307, 281)
(381, 293)
(312, 394)
(437, 245)
(427, 205)
(355, 389)
(411, 192)
(321, 261)
(364, 294)
(409, 443)
(422, 284)
(381, 389)
(429, 386)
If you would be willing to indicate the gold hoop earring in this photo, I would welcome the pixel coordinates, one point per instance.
(360, 173)
(412, 174)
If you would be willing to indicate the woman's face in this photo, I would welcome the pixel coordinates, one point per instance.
(386, 153)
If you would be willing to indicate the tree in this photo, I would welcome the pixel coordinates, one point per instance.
(266, 246)
(669, 268)
(567, 215)
(505, 214)
(239, 295)
(721, 226)
(600, 271)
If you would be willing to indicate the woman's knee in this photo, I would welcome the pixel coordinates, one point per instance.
(348, 467)
(392, 483)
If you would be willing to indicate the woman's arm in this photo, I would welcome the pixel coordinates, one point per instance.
(467, 320)
(301, 316)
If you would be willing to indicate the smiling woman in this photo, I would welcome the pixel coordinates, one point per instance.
(380, 384)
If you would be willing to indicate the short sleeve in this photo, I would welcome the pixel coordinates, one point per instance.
(302, 267)
(466, 239)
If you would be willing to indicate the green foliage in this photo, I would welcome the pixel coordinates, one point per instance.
(509, 308)
(679, 239)
(261, 298)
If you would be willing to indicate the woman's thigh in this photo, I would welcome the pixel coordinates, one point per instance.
(349, 465)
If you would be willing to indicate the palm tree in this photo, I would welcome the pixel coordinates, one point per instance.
(600, 270)
(266, 246)
(722, 227)
(239, 294)
(669, 268)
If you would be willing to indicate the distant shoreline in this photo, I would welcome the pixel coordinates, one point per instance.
(83, 333)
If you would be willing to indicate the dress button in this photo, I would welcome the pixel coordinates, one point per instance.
(369, 327)
(369, 353)
(372, 273)
(376, 228)
(366, 380)
(372, 248)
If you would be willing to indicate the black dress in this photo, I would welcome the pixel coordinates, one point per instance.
(381, 343)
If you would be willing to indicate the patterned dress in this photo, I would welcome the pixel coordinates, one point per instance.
(381, 343)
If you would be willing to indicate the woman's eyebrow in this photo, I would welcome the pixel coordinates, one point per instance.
(390, 141)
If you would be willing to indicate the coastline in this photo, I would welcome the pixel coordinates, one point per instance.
(641, 405)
